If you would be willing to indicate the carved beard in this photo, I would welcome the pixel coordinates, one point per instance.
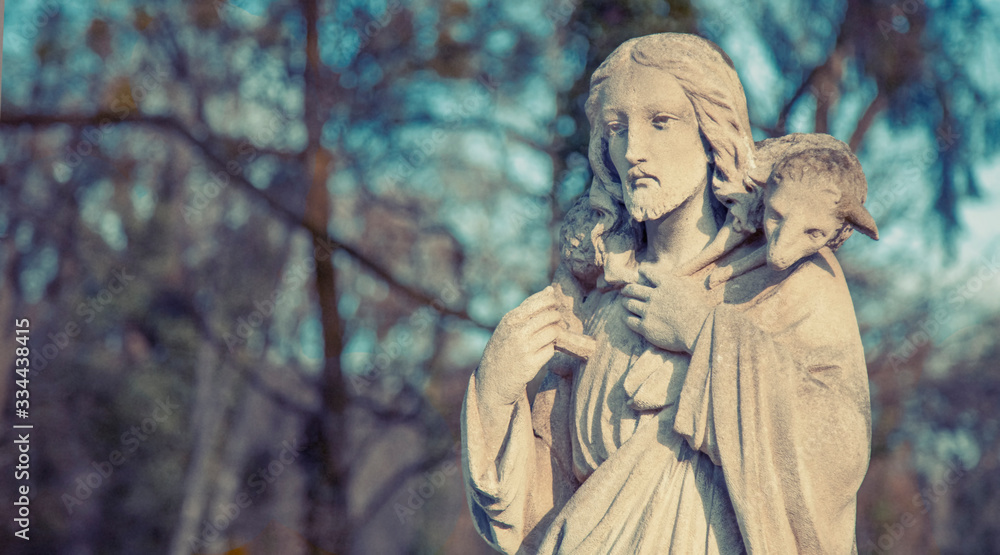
(649, 203)
(653, 202)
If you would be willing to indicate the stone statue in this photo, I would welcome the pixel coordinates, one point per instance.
(818, 181)
(678, 417)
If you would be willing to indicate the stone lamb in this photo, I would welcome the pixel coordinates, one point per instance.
(813, 198)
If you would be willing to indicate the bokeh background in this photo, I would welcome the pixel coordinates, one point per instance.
(262, 245)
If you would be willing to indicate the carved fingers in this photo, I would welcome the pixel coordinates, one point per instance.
(668, 315)
(634, 323)
(540, 332)
(636, 291)
(521, 345)
(636, 307)
(656, 330)
(646, 318)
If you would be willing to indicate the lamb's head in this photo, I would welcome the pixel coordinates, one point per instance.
(814, 198)
(616, 237)
(576, 244)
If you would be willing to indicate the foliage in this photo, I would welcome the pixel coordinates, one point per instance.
(326, 206)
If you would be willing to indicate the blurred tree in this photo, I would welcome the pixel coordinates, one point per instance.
(914, 63)
(326, 206)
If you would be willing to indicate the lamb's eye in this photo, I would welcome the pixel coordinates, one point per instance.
(815, 233)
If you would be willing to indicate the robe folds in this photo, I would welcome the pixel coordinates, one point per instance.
(756, 442)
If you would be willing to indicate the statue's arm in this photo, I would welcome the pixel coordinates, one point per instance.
(514, 478)
(496, 450)
(508, 470)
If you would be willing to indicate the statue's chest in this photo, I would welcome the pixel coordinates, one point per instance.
(624, 383)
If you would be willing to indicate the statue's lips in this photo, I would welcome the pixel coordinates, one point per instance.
(642, 181)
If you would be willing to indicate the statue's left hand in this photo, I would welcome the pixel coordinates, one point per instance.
(670, 313)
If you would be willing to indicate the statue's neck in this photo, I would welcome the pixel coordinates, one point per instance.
(680, 235)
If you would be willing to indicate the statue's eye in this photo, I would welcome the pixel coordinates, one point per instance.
(815, 233)
(662, 121)
(616, 127)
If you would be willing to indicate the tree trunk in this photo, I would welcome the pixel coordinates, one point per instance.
(207, 420)
(327, 520)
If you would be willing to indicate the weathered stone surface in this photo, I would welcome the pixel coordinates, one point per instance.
(716, 399)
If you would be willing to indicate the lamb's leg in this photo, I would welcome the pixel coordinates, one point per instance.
(722, 274)
(576, 344)
(571, 340)
(725, 241)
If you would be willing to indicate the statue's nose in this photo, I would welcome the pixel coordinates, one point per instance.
(635, 151)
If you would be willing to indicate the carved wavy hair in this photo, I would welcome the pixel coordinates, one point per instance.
(707, 76)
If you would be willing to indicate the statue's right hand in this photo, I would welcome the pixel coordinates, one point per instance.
(521, 345)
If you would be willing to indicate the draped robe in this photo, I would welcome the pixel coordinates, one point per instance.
(755, 442)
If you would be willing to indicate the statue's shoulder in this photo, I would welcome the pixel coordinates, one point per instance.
(819, 274)
(818, 287)
(815, 282)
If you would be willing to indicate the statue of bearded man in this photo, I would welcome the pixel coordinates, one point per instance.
(705, 420)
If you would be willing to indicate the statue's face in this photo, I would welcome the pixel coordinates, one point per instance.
(654, 141)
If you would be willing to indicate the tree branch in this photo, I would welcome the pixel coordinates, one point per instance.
(865, 122)
(831, 60)
(472, 123)
(780, 127)
(101, 119)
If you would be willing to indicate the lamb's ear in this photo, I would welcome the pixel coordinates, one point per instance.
(859, 217)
